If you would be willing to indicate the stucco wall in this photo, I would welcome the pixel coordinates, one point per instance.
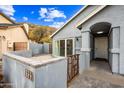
(70, 29)
(23, 53)
(14, 73)
(49, 74)
(36, 48)
(15, 34)
(46, 48)
(39, 48)
(52, 75)
(113, 15)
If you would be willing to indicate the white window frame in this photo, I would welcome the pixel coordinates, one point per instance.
(73, 40)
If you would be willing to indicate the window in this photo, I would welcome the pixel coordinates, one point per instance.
(64, 47)
(69, 47)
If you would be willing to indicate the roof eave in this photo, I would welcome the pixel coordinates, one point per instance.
(91, 15)
(7, 18)
(19, 25)
(69, 20)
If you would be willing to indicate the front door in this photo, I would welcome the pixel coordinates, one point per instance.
(101, 47)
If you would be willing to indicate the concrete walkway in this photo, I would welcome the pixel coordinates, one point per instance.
(98, 75)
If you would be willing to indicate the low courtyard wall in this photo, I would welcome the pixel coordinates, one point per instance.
(39, 48)
(23, 72)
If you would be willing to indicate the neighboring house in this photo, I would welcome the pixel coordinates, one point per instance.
(13, 36)
(95, 32)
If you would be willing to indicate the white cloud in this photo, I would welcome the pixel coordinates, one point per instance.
(13, 18)
(32, 12)
(56, 13)
(43, 12)
(25, 18)
(50, 13)
(7, 9)
(48, 20)
(57, 24)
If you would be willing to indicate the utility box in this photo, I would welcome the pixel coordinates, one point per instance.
(9, 44)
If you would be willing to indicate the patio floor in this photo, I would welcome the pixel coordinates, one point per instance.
(97, 76)
(42, 57)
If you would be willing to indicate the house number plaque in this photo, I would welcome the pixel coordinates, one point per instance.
(29, 74)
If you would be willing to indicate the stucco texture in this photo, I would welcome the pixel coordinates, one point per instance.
(10, 35)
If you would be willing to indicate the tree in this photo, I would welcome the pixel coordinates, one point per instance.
(40, 34)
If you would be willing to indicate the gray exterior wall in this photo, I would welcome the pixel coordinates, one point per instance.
(70, 31)
(52, 75)
(14, 72)
(23, 53)
(46, 48)
(111, 14)
(36, 48)
(49, 74)
(39, 48)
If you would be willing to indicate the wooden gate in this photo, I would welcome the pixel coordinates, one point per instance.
(50, 48)
(72, 67)
(20, 46)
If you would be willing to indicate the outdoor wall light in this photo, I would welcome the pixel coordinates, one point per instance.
(77, 39)
(100, 32)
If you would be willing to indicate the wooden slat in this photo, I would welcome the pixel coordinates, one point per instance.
(20, 46)
(50, 48)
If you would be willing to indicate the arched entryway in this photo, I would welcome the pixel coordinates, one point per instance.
(99, 43)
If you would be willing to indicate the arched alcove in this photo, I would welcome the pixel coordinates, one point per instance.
(99, 42)
(100, 29)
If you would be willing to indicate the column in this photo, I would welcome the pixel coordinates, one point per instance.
(115, 50)
(85, 51)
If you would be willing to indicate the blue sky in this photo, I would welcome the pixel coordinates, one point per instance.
(49, 15)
